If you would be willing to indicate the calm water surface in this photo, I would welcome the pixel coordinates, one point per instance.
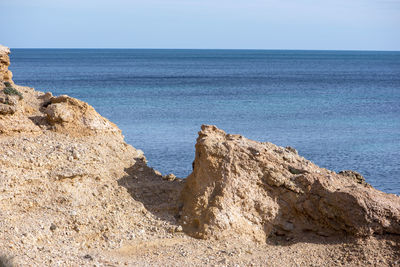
(339, 109)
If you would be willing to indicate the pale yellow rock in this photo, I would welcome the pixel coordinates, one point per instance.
(5, 74)
(242, 188)
(59, 113)
(69, 183)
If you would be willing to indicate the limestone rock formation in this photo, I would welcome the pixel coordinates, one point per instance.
(8, 99)
(242, 188)
(69, 182)
(5, 74)
(22, 109)
(65, 113)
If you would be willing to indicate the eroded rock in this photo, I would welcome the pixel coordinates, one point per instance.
(5, 74)
(7, 109)
(8, 101)
(70, 183)
(71, 115)
(59, 113)
(242, 188)
(355, 176)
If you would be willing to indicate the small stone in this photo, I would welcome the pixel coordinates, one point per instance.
(294, 170)
(169, 177)
(58, 113)
(88, 257)
(53, 227)
(75, 154)
(139, 154)
(47, 96)
(292, 149)
(7, 109)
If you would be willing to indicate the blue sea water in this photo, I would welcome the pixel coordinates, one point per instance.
(340, 109)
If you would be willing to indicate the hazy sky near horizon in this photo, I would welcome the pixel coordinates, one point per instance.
(252, 24)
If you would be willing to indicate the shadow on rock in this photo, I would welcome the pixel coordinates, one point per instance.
(39, 120)
(159, 194)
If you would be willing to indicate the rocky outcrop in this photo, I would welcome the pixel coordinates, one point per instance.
(242, 188)
(15, 113)
(5, 74)
(67, 114)
(69, 183)
(22, 109)
(355, 176)
(9, 97)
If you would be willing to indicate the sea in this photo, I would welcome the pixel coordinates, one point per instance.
(339, 109)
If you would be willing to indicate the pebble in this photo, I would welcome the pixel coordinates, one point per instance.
(53, 227)
(76, 155)
(88, 257)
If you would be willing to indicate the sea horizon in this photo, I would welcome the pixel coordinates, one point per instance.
(227, 49)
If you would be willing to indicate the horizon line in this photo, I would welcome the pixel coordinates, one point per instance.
(254, 49)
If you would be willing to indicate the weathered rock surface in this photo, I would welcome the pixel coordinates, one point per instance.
(8, 102)
(30, 111)
(69, 184)
(355, 176)
(243, 188)
(5, 74)
(67, 114)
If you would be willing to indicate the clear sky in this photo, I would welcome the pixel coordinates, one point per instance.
(253, 24)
